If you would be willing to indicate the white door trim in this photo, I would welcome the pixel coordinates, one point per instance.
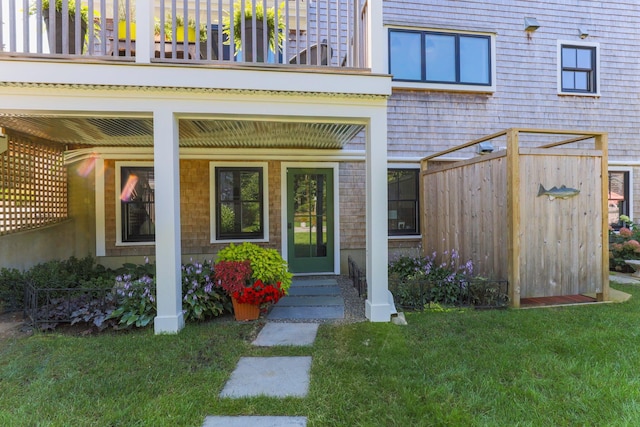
(336, 206)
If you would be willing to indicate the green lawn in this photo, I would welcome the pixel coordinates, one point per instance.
(562, 366)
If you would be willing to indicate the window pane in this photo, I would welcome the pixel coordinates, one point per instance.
(406, 61)
(440, 53)
(407, 216)
(227, 218)
(581, 80)
(474, 60)
(567, 80)
(618, 197)
(250, 217)
(584, 58)
(568, 57)
(407, 183)
(225, 185)
(250, 185)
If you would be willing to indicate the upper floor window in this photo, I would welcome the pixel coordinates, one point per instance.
(578, 69)
(238, 208)
(403, 201)
(440, 57)
(137, 204)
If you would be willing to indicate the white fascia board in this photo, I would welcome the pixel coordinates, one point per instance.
(194, 76)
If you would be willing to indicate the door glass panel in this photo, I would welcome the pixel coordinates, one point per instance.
(310, 217)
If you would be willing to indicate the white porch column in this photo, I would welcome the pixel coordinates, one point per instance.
(145, 23)
(377, 37)
(378, 306)
(167, 207)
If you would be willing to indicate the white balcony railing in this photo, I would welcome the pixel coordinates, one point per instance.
(297, 33)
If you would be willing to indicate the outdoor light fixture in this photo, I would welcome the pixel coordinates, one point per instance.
(583, 33)
(531, 24)
(485, 147)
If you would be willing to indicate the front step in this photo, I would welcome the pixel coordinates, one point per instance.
(310, 299)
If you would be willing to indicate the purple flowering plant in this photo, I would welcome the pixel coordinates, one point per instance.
(201, 298)
(135, 290)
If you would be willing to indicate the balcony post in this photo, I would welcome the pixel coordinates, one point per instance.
(377, 39)
(145, 22)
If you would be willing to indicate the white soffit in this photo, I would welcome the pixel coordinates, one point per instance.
(138, 132)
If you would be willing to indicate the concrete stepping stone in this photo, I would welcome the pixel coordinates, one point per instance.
(294, 334)
(254, 421)
(307, 312)
(269, 376)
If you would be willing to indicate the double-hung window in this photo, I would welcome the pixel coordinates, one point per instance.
(402, 185)
(578, 69)
(137, 204)
(440, 57)
(238, 195)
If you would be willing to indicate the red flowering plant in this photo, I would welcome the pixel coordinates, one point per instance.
(259, 294)
(235, 278)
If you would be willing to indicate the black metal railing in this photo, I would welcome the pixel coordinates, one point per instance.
(358, 276)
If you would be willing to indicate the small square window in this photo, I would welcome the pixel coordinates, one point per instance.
(578, 69)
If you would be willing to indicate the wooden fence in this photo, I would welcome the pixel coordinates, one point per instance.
(501, 211)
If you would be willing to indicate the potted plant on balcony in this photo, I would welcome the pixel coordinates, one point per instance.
(71, 5)
(245, 18)
(122, 21)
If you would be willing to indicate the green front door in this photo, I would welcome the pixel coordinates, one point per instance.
(310, 220)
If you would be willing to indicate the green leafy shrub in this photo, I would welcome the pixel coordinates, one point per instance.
(418, 281)
(267, 265)
(11, 289)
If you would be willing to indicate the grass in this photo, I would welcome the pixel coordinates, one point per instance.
(558, 366)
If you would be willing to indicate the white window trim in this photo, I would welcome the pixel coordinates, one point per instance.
(444, 86)
(630, 170)
(265, 199)
(391, 165)
(118, 187)
(559, 67)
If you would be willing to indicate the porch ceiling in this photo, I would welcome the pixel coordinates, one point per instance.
(138, 132)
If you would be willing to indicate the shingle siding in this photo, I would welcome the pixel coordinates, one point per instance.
(425, 122)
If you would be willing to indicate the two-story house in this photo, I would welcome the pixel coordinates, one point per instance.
(129, 134)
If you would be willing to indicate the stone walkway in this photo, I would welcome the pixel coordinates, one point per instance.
(282, 377)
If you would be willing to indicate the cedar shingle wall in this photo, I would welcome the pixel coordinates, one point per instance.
(422, 123)
(194, 210)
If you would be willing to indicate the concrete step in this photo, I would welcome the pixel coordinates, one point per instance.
(313, 290)
(313, 282)
(314, 301)
(305, 312)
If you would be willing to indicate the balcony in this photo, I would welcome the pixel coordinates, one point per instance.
(291, 34)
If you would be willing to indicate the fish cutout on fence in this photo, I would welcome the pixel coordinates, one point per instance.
(563, 192)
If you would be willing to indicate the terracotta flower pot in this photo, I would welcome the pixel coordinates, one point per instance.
(245, 311)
